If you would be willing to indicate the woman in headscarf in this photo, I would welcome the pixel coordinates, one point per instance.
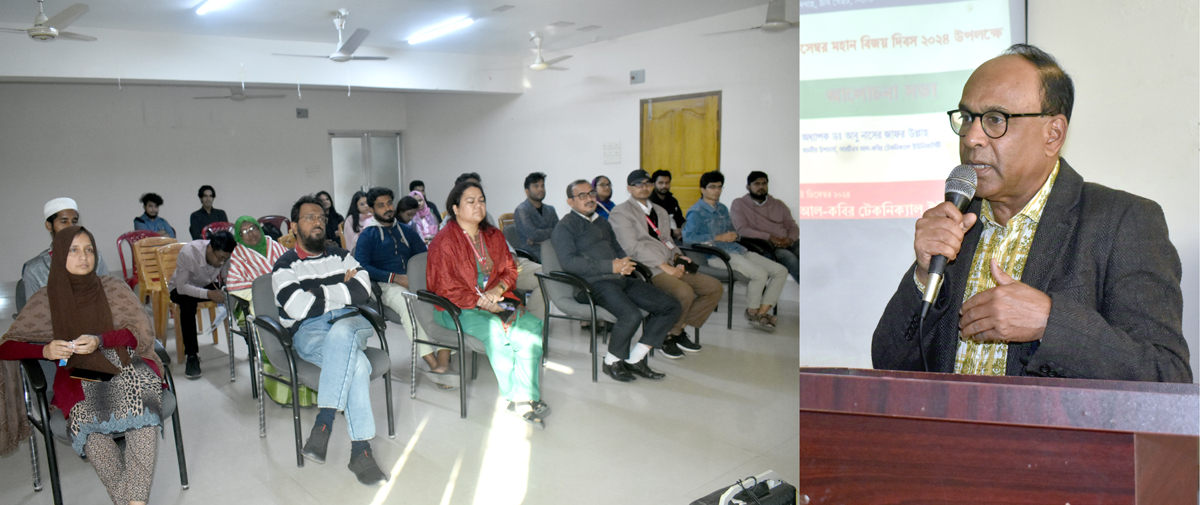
(255, 255)
(469, 264)
(424, 221)
(603, 188)
(93, 327)
(357, 219)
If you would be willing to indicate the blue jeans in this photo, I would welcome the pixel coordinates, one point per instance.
(790, 258)
(345, 372)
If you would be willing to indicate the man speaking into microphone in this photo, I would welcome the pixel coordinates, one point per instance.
(1048, 275)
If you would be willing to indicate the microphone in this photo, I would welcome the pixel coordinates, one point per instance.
(960, 189)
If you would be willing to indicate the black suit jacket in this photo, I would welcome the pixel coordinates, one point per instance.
(1104, 258)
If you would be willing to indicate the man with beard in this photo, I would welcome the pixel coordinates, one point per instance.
(534, 220)
(383, 250)
(316, 288)
(150, 220)
(759, 215)
(662, 197)
(59, 213)
(587, 247)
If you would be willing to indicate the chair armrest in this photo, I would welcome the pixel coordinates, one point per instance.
(161, 351)
(376, 291)
(373, 316)
(758, 245)
(430, 297)
(567, 278)
(37, 379)
(273, 327)
(527, 254)
(643, 270)
(706, 249)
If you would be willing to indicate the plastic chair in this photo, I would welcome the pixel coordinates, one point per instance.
(149, 276)
(561, 291)
(277, 345)
(52, 425)
(342, 233)
(167, 257)
(421, 303)
(284, 224)
(215, 227)
(130, 274)
(288, 240)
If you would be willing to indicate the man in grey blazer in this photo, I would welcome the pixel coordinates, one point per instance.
(1093, 286)
(644, 230)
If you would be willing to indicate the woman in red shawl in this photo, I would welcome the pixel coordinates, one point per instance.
(470, 265)
(90, 324)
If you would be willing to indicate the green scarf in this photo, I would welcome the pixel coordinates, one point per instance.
(261, 248)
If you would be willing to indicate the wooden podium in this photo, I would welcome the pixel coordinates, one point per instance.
(880, 437)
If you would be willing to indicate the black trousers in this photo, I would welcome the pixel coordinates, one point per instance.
(624, 298)
(186, 319)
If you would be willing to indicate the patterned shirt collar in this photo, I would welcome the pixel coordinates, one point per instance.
(1032, 211)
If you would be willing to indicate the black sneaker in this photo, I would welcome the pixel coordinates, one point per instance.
(192, 370)
(670, 349)
(685, 344)
(318, 442)
(364, 467)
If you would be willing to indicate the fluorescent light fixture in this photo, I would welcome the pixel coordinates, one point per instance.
(442, 29)
(212, 5)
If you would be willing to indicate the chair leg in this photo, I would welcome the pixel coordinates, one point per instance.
(33, 457)
(387, 389)
(229, 340)
(729, 321)
(260, 388)
(178, 432)
(296, 413)
(462, 384)
(212, 316)
(412, 388)
(594, 350)
(174, 312)
(474, 365)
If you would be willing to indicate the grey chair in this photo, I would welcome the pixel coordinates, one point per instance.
(510, 234)
(277, 345)
(37, 378)
(232, 304)
(421, 303)
(559, 287)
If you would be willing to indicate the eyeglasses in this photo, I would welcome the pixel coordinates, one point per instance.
(315, 218)
(995, 123)
(642, 184)
(590, 195)
(247, 231)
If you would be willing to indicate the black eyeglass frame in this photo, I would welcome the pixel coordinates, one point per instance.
(1007, 116)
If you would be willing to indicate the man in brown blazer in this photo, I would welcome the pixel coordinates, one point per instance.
(643, 229)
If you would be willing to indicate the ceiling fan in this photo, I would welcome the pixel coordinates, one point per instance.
(776, 22)
(345, 50)
(540, 63)
(238, 95)
(48, 29)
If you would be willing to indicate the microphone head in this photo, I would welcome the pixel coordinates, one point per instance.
(962, 181)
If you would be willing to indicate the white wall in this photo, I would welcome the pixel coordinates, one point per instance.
(104, 147)
(558, 126)
(1136, 67)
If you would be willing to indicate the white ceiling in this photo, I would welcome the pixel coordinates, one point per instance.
(390, 21)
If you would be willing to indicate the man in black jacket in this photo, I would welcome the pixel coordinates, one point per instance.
(587, 247)
(1049, 275)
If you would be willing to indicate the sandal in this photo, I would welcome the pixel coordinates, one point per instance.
(760, 321)
(444, 380)
(529, 416)
(541, 408)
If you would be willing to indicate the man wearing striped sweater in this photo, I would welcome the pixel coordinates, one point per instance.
(316, 288)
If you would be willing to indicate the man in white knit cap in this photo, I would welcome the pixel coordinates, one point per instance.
(59, 213)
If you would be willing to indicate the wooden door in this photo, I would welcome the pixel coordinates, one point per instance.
(682, 134)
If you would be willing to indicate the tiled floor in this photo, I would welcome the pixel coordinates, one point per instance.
(727, 412)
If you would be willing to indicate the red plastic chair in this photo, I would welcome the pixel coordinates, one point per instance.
(282, 223)
(216, 227)
(130, 274)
